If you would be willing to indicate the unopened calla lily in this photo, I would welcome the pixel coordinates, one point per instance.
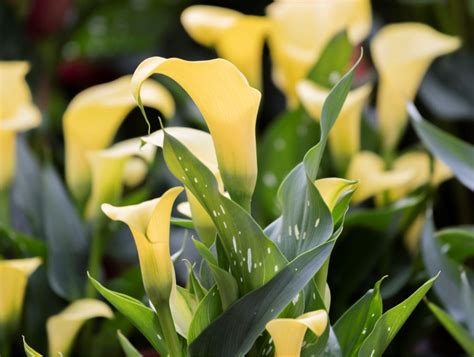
(14, 274)
(109, 171)
(63, 327)
(402, 54)
(92, 119)
(288, 334)
(17, 113)
(229, 107)
(333, 189)
(301, 29)
(236, 37)
(344, 138)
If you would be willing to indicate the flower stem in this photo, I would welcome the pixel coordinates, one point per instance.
(95, 257)
(5, 207)
(167, 325)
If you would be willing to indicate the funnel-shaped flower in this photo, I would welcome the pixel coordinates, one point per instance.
(288, 334)
(110, 169)
(201, 145)
(229, 107)
(369, 169)
(235, 36)
(14, 275)
(301, 30)
(402, 54)
(63, 327)
(17, 113)
(92, 119)
(344, 137)
(333, 189)
(149, 223)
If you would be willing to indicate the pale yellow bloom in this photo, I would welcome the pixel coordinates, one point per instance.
(369, 169)
(17, 113)
(344, 137)
(402, 54)
(63, 327)
(110, 169)
(229, 107)
(333, 189)
(236, 37)
(301, 30)
(92, 119)
(149, 223)
(288, 334)
(14, 274)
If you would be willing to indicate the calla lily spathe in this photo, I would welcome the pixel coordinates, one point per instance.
(17, 113)
(288, 334)
(300, 31)
(229, 107)
(402, 54)
(92, 119)
(409, 172)
(149, 223)
(111, 168)
(14, 274)
(236, 37)
(201, 146)
(63, 327)
(333, 189)
(344, 137)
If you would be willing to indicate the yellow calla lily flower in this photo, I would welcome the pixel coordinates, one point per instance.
(201, 145)
(63, 327)
(344, 137)
(109, 170)
(301, 30)
(236, 37)
(402, 54)
(420, 163)
(369, 169)
(14, 274)
(17, 113)
(288, 334)
(332, 189)
(92, 119)
(149, 223)
(229, 107)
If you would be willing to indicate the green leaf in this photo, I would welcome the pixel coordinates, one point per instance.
(194, 285)
(68, 248)
(391, 322)
(241, 236)
(465, 340)
(359, 320)
(142, 317)
(454, 152)
(227, 286)
(21, 245)
(448, 286)
(30, 352)
(457, 242)
(467, 296)
(333, 62)
(127, 347)
(234, 332)
(208, 310)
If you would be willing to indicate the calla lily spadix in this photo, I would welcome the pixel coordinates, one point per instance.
(344, 137)
(288, 334)
(14, 274)
(229, 107)
(17, 113)
(402, 54)
(201, 145)
(236, 37)
(63, 327)
(301, 29)
(109, 171)
(92, 119)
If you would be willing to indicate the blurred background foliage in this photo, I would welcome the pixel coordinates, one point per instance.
(72, 45)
